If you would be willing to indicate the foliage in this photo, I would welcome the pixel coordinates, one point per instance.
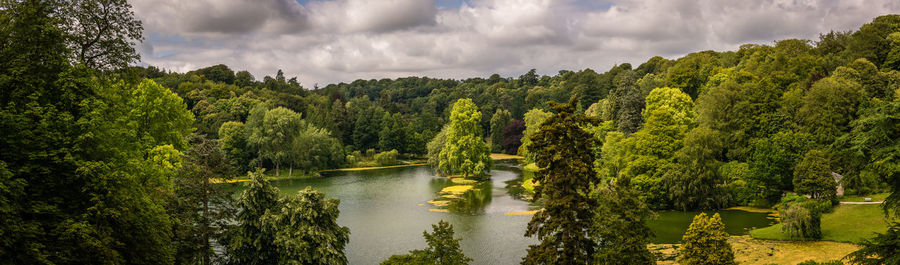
(620, 225)
(802, 219)
(435, 146)
(563, 149)
(875, 141)
(512, 136)
(202, 211)
(386, 158)
(696, 183)
(442, 249)
(465, 152)
(882, 249)
(101, 33)
(499, 122)
(306, 230)
(772, 163)
(251, 241)
(705, 242)
(812, 176)
(533, 120)
(393, 133)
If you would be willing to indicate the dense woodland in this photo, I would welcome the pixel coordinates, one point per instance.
(103, 162)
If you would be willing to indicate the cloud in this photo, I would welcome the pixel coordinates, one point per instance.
(343, 40)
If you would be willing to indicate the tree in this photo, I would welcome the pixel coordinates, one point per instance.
(251, 241)
(512, 136)
(435, 146)
(695, 182)
(279, 128)
(218, 73)
(101, 33)
(706, 242)
(393, 133)
(367, 128)
(202, 209)
(883, 249)
(620, 225)
(233, 138)
(314, 149)
(802, 219)
(306, 229)
(499, 121)
(812, 176)
(465, 152)
(772, 163)
(563, 149)
(828, 108)
(533, 120)
(875, 138)
(442, 249)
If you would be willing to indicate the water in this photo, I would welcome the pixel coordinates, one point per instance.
(387, 211)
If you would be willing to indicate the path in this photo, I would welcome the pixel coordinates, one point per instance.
(862, 202)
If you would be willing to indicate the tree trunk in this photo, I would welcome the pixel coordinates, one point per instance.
(291, 171)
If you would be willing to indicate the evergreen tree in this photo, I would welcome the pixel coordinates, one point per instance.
(252, 241)
(706, 242)
(563, 149)
(442, 249)
(306, 230)
(203, 210)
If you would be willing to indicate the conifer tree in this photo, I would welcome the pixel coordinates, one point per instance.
(563, 149)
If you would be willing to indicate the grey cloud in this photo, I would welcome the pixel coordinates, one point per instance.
(343, 40)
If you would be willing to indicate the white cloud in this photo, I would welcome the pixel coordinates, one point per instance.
(343, 40)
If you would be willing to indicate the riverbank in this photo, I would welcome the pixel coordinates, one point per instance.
(751, 251)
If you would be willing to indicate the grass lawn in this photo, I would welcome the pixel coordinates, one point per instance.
(749, 251)
(847, 223)
(875, 197)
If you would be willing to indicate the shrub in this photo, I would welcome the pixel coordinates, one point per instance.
(387, 158)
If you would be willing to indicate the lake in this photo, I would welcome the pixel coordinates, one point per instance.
(387, 210)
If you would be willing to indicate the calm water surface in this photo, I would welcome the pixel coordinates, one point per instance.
(387, 211)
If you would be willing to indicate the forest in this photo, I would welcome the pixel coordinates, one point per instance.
(106, 162)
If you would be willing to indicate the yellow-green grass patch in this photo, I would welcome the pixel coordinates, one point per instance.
(847, 223)
(497, 156)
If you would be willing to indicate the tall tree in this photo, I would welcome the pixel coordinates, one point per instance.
(306, 229)
(465, 152)
(706, 242)
(563, 149)
(695, 183)
(252, 241)
(203, 209)
(102, 33)
(279, 127)
(812, 176)
(533, 120)
(499, 121)
(620, 225)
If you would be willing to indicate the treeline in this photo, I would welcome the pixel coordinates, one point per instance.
(704, 131)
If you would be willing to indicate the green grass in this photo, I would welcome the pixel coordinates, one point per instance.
(847, 223)
(855, 198)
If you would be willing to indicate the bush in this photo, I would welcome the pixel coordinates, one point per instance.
(370, 153)
(813, 262)
(803, 219)
(352, 160)
(387, 158)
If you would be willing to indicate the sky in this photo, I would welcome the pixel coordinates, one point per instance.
(331, 41)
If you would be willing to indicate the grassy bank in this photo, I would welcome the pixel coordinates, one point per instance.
(847, 223)
(749, 251)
